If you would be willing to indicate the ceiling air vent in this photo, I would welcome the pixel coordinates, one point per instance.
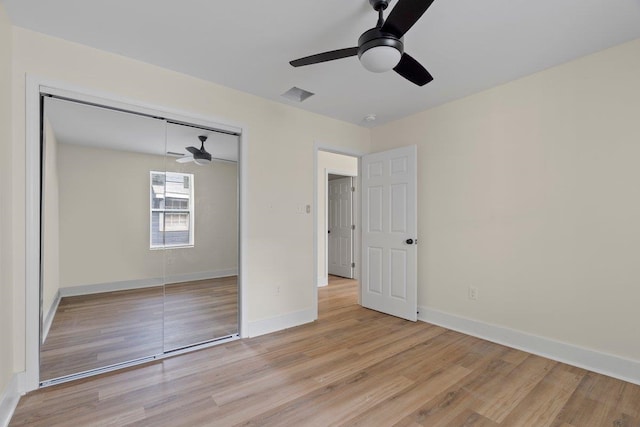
(296, 94)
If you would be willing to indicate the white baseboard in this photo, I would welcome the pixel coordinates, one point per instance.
(602, 363)
(48, 319)
(322, 281)
(188, 277)
(273, 324)
(9, 400)
(144, 283)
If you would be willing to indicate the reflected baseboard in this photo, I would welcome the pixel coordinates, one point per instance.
(144, 283)
(50, 314)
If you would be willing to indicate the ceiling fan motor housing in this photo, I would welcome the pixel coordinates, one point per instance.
(376, 38)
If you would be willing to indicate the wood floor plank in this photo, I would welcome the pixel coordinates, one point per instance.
(503, 396)
(600, 400)
(334, 402)
(468, 418)
(543, 403)
(373, 357)
(352, 367)
(451, 402)
(279, 378)
(410, 399)
(629, 401)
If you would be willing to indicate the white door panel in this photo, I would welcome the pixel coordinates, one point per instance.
(340, 220)
(389, 220)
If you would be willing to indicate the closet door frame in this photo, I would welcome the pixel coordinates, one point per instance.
(36, 87)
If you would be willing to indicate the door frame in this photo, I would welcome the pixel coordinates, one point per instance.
(327, 147)
(354, 215)
(35, 86)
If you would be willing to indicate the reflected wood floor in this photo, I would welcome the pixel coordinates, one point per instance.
(97, 330)
(352, 367)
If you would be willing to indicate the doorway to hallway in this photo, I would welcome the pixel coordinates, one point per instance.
(342, 168)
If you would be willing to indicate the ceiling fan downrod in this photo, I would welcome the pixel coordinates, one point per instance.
(379, 6)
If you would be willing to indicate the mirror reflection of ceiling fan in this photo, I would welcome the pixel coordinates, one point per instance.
(198, 156)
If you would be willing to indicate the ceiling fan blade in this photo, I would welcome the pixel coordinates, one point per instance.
(404, 15)
(192, 150)
(325, 56)
(411, 70)
(185, 159)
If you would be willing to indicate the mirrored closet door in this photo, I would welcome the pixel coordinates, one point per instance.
(200, 231)
(139, 238)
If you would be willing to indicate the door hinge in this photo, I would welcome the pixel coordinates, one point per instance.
(353, 227)
(353, 265)
(353, 189)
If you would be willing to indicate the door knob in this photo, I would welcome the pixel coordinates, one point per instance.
(409, 242)
(329, 231)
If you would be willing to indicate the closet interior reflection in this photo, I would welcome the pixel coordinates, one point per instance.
(139, 238)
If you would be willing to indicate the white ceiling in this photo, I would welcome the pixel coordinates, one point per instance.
(81, 124)
(467, 45)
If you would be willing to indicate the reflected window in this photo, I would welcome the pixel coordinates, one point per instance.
(172, 209)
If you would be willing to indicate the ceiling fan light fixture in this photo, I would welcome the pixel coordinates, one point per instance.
(380, 59)
(201, 162)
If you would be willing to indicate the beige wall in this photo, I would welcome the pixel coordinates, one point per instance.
(335, 162)
(6, 177)
(280, 163)
(529, 192)
(50, 222)
(104, 218)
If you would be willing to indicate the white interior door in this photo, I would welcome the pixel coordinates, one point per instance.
(340, 230)
(389, 232)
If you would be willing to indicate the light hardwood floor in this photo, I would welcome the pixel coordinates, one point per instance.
(97, 330)
(351, 367)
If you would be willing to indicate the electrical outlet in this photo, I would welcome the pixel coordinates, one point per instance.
(473, 293)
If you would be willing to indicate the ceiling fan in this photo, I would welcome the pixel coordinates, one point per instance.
(199, 156)
(381, 48)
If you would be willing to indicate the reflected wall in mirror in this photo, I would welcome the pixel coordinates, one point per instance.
(119, 281)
